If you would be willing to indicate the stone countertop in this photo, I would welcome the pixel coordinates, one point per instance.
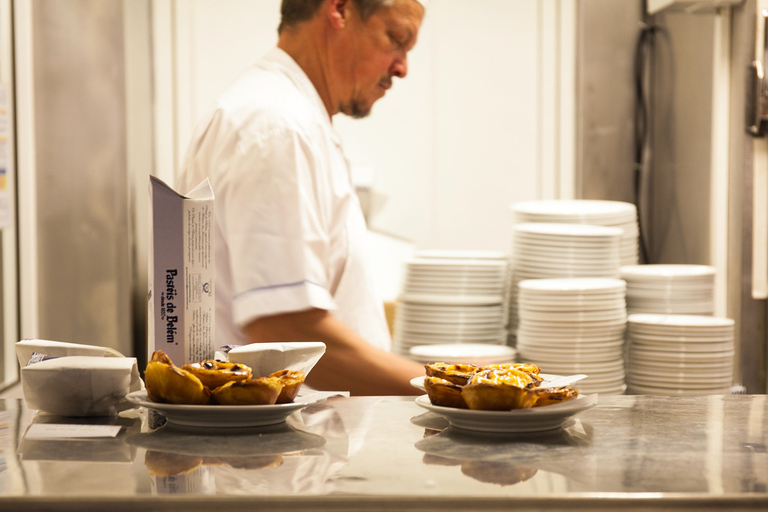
(387, 453)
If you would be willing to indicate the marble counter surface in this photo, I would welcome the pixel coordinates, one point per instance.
(386, 453)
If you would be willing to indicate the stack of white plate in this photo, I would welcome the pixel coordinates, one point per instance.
(671, 289)
(679, 354)
(570, 326)
(543, 251)
(452, 297)
(583, 211)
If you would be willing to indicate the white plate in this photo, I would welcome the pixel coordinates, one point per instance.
(672, 322)
(576, 208)
(449, 320)
(618, 315)
(546, 229)
(668, 271)
(452, 300)
(222, 416)
(457, 267)
(691, 357)
(665, 365)
(659, 338)
(565, 344)
(592, 327)
(535, 419)
(682, 348)
(461, 254)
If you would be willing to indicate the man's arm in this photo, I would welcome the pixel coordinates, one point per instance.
(349, 364)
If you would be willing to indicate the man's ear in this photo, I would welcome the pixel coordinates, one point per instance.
(338, 12)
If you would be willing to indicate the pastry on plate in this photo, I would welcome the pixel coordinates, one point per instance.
(549, 396)
(167, 383)
(214, 373)
(456, 373)
(499, 390)
(259, 391)
(444, 393)
(292, 381)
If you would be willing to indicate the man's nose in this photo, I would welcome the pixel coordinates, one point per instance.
(400, 67)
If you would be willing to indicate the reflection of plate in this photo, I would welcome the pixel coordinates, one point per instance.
(224, 415)
(269, 440)
(535, 419)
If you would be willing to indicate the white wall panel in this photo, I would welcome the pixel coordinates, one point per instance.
(450, 147)
(486, 119)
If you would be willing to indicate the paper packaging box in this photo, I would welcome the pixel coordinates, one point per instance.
(181, 273)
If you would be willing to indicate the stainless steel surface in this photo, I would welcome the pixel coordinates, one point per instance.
(85, 139)
(386, 453)
(750, 314)
(681, 129)
(606, 35)
(757, 116)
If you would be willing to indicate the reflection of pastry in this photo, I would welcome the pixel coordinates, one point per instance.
(214, 373)
(499, 390)
(167, 383)
(438, 460)
(444, 393)
(548, 396)
(496, 472)
(292, 381)
(456, 373)
(164, 464)
(254, 462)
(259, 391)
(170, 464)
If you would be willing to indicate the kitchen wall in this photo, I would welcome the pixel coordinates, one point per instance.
(606, 39)
(506, 100)
(474, 127)
(85, 140)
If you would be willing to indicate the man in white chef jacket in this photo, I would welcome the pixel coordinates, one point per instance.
(290, 234)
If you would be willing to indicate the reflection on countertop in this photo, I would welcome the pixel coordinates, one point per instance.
(387, 449)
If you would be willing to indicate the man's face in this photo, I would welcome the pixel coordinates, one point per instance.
(377, 52)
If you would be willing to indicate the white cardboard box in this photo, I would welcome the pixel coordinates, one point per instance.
(181, 273)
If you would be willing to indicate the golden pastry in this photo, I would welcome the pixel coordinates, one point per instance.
(259, 391)
(167, 383)
(214, 373)
(292, 381)
(444, 393)
(456, 373)
(549, 396)
(499, 390)
(530, 369)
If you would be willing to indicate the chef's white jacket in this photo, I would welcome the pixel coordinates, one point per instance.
(290, 234)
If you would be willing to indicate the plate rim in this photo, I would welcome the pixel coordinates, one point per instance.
(133, 397)
(549, 412)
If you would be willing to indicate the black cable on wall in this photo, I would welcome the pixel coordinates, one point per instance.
(643, 48)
